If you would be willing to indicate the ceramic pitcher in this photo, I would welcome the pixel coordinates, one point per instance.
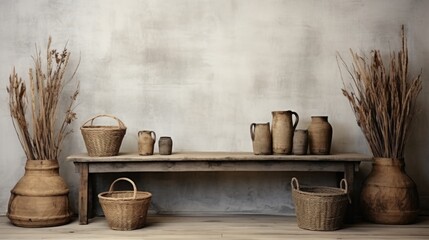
(261, 138)
(146, 142)
(282, 131)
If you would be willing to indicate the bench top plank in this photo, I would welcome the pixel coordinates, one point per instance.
(217, 156)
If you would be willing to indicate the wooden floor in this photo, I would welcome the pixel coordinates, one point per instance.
(217, 227)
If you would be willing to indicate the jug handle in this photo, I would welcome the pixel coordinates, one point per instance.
(296, 119)
(252, 131)
(153, 135)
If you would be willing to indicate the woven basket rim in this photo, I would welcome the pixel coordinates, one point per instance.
(322, 191)
(138, 196)
(322, 194)
(98, 127)
(337, 191)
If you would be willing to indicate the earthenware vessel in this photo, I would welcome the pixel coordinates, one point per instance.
(165, 145)
(261, 138)
(146, 142)
(319, 135)
(282, 131)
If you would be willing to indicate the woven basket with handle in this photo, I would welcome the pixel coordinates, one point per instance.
(125, 210)
(320, 208)
(102, 141)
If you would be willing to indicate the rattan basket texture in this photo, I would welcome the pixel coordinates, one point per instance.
(102, 141)
(125, 210)
(320, 208)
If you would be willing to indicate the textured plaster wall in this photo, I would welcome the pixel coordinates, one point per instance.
(201, 72)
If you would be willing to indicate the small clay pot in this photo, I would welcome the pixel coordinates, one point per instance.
(300, 142)
(165, 145)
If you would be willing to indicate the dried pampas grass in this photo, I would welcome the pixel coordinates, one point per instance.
(38, 131)
(383, 99)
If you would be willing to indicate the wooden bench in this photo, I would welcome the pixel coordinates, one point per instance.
(344, 163)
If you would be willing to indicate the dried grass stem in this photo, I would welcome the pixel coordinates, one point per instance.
(38, 132)
(382, 98)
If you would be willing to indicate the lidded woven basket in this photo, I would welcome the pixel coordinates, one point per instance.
(320, 208)
(103, 141)
(125, 210)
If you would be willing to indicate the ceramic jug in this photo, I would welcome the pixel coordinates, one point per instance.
(319, 135)
(261, 138)
(146, 142)
(282, 131)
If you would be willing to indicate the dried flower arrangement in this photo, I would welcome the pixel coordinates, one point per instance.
(383, 99)
(38, 131)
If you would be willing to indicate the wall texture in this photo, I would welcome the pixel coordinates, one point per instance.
(201, 71)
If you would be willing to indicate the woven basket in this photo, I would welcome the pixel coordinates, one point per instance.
(102, 141)
(125, 210)
(320, 208)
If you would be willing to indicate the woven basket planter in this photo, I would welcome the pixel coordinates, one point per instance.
(320, 208)
(40, 198)
(125, 210)
(103, 141)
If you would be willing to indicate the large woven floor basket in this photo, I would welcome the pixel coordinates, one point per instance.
(320, 208)
(102, 141)
(125, 210)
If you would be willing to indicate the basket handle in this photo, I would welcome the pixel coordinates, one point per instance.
(120, 123)
(124, 179)
(294, 183)
(345, 186)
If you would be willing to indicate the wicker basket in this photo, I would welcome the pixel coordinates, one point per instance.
(320, 208)
(102, 141)
(125, 210)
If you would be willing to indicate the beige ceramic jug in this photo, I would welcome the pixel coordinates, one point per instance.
(261, 138)
(282, 132)
(146, 142)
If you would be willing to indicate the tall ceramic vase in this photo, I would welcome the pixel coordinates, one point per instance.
(40, 198)
(389, 195)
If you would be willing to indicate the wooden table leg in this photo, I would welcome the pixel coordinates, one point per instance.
(349, 175)
(83, 194)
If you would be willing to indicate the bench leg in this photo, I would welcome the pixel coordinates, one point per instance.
(349, 175)
(83, 193)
